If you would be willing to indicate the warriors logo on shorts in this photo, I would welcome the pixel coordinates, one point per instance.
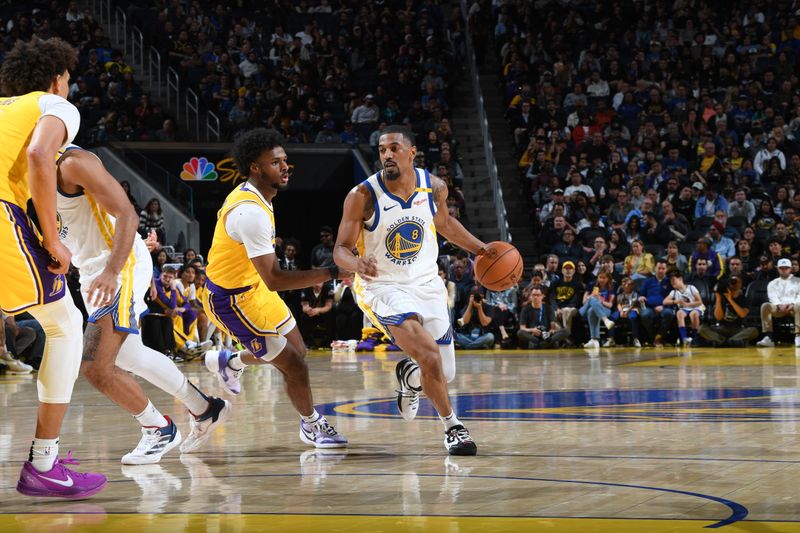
(404, 241)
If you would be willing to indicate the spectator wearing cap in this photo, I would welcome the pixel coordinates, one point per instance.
(741, 206)
(322, 253)
(784, 300)
(328, 134)
(767, 154)
(566, 294)
(366, 116)
(719, 242)
(709, 203)
(703, 250)
(547, 210)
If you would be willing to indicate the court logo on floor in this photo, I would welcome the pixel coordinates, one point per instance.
(637, 405)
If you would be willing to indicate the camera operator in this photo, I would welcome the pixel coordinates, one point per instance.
(475, 327)
(730, 308)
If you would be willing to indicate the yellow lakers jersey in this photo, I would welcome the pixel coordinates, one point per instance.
(18, 118)
(228, 264)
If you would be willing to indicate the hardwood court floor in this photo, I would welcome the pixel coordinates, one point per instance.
(626, 440)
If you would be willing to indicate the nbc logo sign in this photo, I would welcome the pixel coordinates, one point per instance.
(198, 169)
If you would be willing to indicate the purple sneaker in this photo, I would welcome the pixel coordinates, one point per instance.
(217, 362)
(321, 434)
(60, 481)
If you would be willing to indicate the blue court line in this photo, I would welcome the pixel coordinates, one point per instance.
(738, 511)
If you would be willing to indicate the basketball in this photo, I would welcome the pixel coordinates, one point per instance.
(500, 268)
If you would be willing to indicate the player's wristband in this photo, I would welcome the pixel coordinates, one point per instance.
(334, 271)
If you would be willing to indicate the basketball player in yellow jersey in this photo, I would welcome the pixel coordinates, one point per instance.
(98, 225)
(34, 125)
(391, 218)
(243, 278)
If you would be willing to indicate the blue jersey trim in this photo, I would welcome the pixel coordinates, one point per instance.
(447, 338)
(68, 195)
(431, 203)
(375, 207)
(405, 204)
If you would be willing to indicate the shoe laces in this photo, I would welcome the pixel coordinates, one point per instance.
(460, 433)
(323, 426)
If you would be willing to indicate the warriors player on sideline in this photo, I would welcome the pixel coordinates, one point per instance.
(98, 225)
(243, 280)
(34, 124)
(391, 219)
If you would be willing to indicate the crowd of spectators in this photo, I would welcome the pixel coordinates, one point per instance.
(318, 71)
(113, 105)
(658, 153)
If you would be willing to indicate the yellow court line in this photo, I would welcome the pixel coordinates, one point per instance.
(267, 522)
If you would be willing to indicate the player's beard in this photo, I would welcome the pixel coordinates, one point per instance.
(392, 173)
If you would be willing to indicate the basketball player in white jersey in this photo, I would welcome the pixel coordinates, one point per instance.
(98, 224)
(391, 219)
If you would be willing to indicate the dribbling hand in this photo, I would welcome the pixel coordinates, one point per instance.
(367, 267)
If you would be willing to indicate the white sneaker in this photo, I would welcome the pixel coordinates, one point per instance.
(609, 323)
(217, 363)
(321, 434)
(193, 350)
(593, 343)
(637, 343)
(154, 444)
(205, 424)
(687, 342)
(609, 343)
(14, 366)
(766, 342)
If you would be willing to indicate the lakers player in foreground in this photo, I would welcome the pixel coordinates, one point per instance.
(98, 225)
(391, 219)
(34, 125)
(243, 280)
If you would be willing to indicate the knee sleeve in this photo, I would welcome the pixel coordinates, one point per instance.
(448, 354)
(62, 324)
(150, 365)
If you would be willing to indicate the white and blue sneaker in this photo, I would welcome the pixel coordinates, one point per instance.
(217, 363)
(203, 425)
(321, 434)
(154, 444)
(407, 396)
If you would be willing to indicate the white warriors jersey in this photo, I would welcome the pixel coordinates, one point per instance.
(400, 233)
(88, 231)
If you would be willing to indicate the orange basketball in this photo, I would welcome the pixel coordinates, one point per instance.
(500, 268)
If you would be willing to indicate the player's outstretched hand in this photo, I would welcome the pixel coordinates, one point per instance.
(60, 257)
(103, 289)
(367, 267)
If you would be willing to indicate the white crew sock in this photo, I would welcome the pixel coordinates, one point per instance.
(43, 454)
(450, 420)
(151, 417)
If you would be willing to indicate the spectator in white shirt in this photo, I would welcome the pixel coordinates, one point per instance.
(766, 154)
(576, 185)
(784, 300)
